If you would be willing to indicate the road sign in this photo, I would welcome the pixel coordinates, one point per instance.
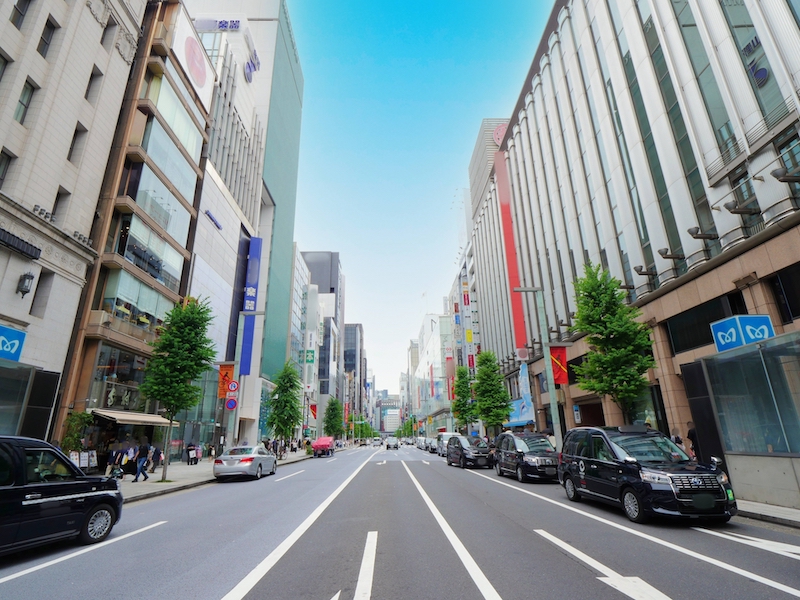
(233, 386)
(231, 403)
(739, 330)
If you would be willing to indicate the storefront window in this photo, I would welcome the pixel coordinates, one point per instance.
(140, 183)
(169, 159)
(129, 299)
(140, 245)
(14, 380)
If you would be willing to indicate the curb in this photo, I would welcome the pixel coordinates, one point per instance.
(768, 518)
(188, 486)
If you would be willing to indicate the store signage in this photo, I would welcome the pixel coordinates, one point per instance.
(249, 304)
(761, 75)
(217, 24)
(740, 330)
(309, 357)
(11, 342)
(253, 63)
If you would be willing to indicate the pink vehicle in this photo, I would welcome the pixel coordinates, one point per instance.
(324, 446)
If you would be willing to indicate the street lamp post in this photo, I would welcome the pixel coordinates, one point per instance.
(548, 362)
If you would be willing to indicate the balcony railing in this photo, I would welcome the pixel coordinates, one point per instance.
(140, 332)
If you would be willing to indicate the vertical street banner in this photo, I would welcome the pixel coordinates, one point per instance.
(225, 377)
(313, 408)
(558, 354)
(249, 304)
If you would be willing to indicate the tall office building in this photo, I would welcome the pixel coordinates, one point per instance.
(355, 360)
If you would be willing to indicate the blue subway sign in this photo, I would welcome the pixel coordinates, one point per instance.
(11, 342)
(740, 330)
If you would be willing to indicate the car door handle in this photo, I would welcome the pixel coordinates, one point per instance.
(592, 466)
(32, 496)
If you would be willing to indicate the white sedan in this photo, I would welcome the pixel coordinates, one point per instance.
(252, 461)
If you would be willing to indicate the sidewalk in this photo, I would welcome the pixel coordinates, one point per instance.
(767, 512)
(181, 476)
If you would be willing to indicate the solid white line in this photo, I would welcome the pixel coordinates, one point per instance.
(292, 475)
(787, 550)
(78, 553)
(713, 561)
(425, 462)
(364, 587)
(594, 564)
(253, 577)
(331, 460)
(484, 585)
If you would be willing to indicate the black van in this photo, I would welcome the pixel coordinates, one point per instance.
(644, 473)
(44, 497)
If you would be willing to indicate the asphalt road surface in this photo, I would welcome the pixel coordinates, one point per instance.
(369, 523)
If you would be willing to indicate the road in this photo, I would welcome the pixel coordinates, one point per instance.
(401, 524)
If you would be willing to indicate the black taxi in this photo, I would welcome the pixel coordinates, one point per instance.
(44, 497)
(644, 473)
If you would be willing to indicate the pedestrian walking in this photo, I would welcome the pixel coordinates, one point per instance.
(692, 436)
(140, 457)
(191, 454)
(211, 453)
(156, 458)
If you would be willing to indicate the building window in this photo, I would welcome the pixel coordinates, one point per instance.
(41, 296)
(5, 163)
(60, 205)
(745, 195)
(3, 65)
(76, 147)
(93, 87)
(24, 103)
(109, 32)
(47, 38)
(692, 328)
(786, 288)
(18, 12)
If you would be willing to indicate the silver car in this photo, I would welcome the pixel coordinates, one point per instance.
(253, 461)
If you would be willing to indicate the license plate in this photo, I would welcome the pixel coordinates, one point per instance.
(703, 501)
(550, 470)
(481, 461)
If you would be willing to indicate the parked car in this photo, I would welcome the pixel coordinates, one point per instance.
(250, 461)
(324, 446)
(44, 497)
(526, 455)
(392, 443)
(441, 441)
(468, 452)
(644, 473)
(430, 444)
(420, 442)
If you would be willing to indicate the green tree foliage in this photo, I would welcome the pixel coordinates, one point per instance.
(285, 413)
(493, 401)
(464, 408)
(74, 426)
(360, 426)
(334, 415)
(181, 353)
(620, 348)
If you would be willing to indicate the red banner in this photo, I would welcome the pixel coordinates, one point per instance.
(558, 354)
(313, 410)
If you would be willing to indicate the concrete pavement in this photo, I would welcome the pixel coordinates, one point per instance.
(181, 476)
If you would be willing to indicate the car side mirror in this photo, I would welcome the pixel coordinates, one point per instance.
(715, 461)
(631, 460)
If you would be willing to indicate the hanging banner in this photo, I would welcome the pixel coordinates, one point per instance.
(558, 354)
(313, 410)
(225, 377)
(249, 304)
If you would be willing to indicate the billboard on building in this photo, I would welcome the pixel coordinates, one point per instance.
(193, 58)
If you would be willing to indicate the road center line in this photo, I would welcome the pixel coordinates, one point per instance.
(253, 577)
(484, 585)
(364, 587)
(55, 561)
(713, 561)
(292, 475)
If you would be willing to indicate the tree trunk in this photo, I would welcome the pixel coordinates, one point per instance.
(165, 451)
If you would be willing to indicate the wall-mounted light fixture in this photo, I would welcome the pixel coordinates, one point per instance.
(640, 270)
(664, 252)
(25, 283)
(733, 208)
(783, 175)
(695, 233)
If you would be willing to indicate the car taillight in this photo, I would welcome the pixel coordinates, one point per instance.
(249, 459)
(559, 458)
(218, 461)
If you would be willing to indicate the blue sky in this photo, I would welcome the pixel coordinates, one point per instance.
(394, 96)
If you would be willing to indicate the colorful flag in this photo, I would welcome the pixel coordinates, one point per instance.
(558, 354)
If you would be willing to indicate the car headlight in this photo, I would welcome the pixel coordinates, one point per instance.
(653, 477)
(722, 478)
(468, 453)
(531, 460)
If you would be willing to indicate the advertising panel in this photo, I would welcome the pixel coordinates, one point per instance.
(250, 303)
(193, 58)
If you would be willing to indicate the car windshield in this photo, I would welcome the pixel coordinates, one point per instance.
(534, 444)
(239, 451)
(392, 440)
(475, 442)
(650, 448)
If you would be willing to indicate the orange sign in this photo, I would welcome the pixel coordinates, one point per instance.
(225, 377)
(558, 354)
(313, 408)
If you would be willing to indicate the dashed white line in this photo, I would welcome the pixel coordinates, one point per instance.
(331, 460)
(50, 563)
(364, 586)
(292, 475)
(484, 585)
(425, 462)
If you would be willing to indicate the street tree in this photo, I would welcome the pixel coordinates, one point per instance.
(182, 352)
(492, 399)
(285, 413)
(620, 348)
(464, 409)
(332, 422)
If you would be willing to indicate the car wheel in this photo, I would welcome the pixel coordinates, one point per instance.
(498, 469)
(520, 475)
(258, 472)
(572, 491)
(462, 463)
(98, 524)
(447, 458)
(632, 505)
(274, 467)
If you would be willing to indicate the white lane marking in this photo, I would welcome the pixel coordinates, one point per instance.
(364, 586)
(331, 460)
(713, 561)
(253, 577)
(336, 597)
(78, 553)
(425, 462)
(292, 475)
(787, 550)
(484, 585)
(381, 463)
(633, 587)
